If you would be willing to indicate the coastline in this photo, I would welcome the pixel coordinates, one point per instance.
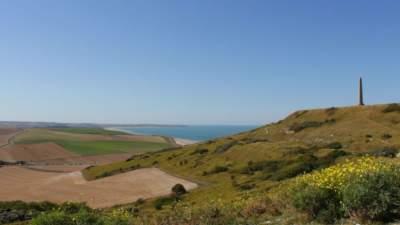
(178, 141)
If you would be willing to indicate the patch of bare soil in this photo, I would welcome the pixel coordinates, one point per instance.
(18, 183)
(5, 131)
(34, 152)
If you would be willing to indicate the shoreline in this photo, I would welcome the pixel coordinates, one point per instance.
(178, 141)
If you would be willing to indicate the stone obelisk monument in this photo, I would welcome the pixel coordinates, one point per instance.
(361, 93)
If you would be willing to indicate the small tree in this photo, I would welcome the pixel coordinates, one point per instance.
(178, 190)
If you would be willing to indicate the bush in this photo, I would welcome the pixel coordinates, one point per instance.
(246, 187)
(251, 140)
(115, 220)
(319, 203)
(392, 108)
(53, 218)
(291, 170)
(335, 145)
(299, 113)
(219, 169)
(86, 218)
(225, 147)
(140, 201)
(162, 201)
(83, 217)
(200, 151)
(178, 190)
(368, 189)
(21, 211)
(297, 127)
(331, 111)
(373, 197)
(71, 207)
(386, 136)
(267, 165)
(385, 152)
(216, 169)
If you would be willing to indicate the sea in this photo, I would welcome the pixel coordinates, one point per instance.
(195, 133)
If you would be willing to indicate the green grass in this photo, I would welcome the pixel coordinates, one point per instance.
(109, 147)
(96, 144)
(99, 131)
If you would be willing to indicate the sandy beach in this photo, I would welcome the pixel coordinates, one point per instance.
(183, 142)
(178, 141)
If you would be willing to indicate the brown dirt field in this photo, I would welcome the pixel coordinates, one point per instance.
(17, 183)
(5, 131)
(34, 152)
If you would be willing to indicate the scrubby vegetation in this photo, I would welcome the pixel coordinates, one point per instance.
(390, 152)
(225, 147)
(178, 190)
(297, 127)
(365, 189)
(216, 169)
(392, 108)
(86, 173)
(20, 211)
(83, 216)
(17, 211)
(386, 136)
(331, 111)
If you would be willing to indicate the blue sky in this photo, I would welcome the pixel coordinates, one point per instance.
(193, 62)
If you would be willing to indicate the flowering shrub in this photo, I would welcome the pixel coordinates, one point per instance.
(244, 209)
(84, 216)
(366, 188)
(59, 218)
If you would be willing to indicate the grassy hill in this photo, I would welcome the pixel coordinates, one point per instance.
(256, 161)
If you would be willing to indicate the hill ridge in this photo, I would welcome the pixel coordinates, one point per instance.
(261, 158)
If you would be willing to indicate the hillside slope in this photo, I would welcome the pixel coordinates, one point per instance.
(257, 160)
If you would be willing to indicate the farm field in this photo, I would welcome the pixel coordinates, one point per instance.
(34, 152)
(29, 185)
(53, 160)
(91, 141)
(89, 131)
